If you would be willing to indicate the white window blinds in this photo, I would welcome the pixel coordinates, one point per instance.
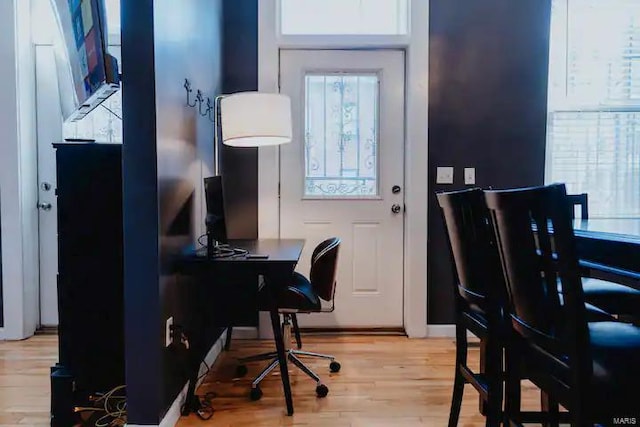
(594, 103)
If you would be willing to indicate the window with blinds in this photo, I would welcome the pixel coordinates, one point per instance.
(594, 103)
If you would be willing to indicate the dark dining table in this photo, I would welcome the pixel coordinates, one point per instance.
(610, 248)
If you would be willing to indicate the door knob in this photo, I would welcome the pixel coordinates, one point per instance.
(44, 206)
(396, 208)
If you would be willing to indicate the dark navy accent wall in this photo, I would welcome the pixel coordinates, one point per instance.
(188, 44)
(240, 165)
(168, 148)
(487, 108)
(140, 207)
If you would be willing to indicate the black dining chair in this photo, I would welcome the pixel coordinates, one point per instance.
(579, 200)
(610, 289)
(478, 299)
(300, 295)
(480, 296)
(590, 368)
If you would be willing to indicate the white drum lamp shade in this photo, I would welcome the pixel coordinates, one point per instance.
(254, 119)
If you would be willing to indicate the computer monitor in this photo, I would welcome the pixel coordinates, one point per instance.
(215, 220)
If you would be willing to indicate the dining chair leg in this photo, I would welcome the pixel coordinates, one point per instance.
(482, 408)
(512, 396)
(494, 376)
(296, 330)
(551, 410)
(459, 381)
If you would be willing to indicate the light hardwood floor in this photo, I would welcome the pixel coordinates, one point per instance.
(24, 380)
(384, 381)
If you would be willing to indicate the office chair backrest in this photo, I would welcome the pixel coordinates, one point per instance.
(479, 281)
(581, 200)
(324, 266)
(537, 247)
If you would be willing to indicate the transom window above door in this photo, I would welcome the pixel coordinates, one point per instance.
(341, 135)
(342, 17)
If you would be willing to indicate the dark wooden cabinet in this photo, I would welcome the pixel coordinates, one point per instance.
(90, 274)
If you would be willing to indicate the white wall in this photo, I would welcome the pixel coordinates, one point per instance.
(18, 172)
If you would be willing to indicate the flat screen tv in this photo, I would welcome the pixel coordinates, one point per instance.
(87, 74)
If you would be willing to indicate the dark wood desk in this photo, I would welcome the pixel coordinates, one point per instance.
(613, 244)
(222, 277)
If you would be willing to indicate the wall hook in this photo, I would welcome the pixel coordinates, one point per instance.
(209, 110)
(187, 87)
(199, 100)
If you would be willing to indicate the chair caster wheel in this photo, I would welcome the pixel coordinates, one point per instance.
(334, 366)
(322, 390)
(256, 394)
(241, 371)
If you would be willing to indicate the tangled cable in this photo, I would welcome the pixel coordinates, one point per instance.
(113, 405)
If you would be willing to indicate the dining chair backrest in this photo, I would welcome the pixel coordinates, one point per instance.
(478, 280)
(581, 200)
(537, 247)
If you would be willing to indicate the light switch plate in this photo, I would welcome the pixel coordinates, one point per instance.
(469, 176)
(444, 175)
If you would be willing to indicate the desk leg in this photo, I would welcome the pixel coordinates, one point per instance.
(282, 359)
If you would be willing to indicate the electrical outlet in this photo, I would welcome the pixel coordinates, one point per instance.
(444, 175)
(168, 331)
(469, 176)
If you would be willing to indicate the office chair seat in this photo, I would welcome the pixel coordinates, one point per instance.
(298, 295)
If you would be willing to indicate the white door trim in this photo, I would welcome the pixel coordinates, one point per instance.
(416, 161)
(18, 173)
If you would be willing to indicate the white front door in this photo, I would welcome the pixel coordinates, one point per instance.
(343, 175)
(49, 130)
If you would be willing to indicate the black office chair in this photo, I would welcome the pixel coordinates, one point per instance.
(478, 299)
(607, 288)
(302, 295)
(591, 369)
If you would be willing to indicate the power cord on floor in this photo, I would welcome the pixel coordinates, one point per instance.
(206, 372)
(114, 406)
(201, 406)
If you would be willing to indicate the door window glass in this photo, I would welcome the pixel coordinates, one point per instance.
(341, 135)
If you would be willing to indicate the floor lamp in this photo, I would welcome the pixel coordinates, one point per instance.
(248, 119)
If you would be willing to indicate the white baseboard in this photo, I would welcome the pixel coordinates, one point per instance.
(441, 331)
(173, 414)
(444, 331)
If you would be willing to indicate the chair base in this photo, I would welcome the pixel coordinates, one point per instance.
(293, 356)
